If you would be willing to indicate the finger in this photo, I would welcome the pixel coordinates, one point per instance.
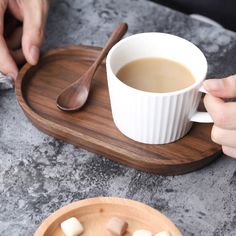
(18, 56)
(14, 40)
(7, 64)
(3, 7)
(15, 9)
(35, 14)
(229, 151)
(222, 113)
(224, 137)
(223, 88)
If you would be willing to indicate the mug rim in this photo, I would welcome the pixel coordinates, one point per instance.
(197, 83)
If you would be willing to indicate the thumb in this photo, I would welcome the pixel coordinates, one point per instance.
(222, 88)
(34, 19)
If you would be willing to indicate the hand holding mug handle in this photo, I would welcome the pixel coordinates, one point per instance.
(223, 112)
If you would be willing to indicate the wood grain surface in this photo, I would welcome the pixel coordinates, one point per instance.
(94, 213)
(92, 128)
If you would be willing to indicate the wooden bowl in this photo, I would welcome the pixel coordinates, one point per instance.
(94, 214)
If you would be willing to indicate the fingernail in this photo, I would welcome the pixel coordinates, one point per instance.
(34, 54)
(214, 84)
(11, 75)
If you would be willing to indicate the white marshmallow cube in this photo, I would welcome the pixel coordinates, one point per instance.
(72, 227)
(163, 233)
(142, 232)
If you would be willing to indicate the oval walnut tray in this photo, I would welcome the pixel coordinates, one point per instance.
(92, 127)
(94, 213)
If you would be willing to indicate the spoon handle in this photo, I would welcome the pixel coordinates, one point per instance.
(74, 96)
(117, 34)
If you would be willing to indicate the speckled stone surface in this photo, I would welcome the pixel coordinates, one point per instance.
(39, 174)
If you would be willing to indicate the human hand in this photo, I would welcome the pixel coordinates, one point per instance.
(223, 113)
(19, 43)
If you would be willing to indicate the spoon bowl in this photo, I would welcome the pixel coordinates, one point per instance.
(74, 97)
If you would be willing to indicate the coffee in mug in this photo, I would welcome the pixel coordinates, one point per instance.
(156, 74)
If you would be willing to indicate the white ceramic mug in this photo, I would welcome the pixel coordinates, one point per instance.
(155, 118)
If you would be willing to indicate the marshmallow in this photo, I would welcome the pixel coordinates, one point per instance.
(142, 232)
(72, 227)
(163, 233)
(117, 226)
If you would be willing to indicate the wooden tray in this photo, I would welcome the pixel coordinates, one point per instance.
(94, 213)
(92, 128)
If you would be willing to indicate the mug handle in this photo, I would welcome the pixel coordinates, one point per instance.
(201, 117)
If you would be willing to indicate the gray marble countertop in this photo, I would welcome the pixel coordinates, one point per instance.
(39, 174)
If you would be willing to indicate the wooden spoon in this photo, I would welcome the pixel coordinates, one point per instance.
(75, 96)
